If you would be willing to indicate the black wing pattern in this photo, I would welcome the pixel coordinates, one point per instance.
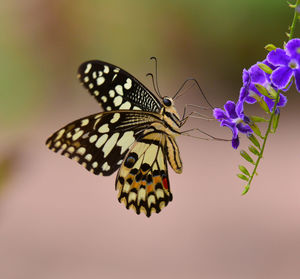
(115, 89)
(100, 142)
(142, 180)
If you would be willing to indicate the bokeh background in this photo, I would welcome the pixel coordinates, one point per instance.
(59, 221)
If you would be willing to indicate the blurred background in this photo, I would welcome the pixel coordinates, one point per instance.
(59, 221)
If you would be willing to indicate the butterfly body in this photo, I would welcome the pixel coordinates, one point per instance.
(134, 135)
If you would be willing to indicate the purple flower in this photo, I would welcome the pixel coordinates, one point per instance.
(288, 64)
(255, 75)
(233, 117)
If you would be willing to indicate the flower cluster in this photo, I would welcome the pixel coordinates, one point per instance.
(262, 83)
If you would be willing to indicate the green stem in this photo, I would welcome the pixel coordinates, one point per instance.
(263, 145)
(291, 36)
(293, 26)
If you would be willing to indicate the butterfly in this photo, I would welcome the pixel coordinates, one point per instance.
(135, 134)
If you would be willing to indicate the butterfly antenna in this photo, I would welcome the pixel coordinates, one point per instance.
(156, 79)
(199, 87)
(153, 83)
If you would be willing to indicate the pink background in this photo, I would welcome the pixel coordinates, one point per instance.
(58, 221)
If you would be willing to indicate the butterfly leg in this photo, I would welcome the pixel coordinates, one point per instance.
(210, 137)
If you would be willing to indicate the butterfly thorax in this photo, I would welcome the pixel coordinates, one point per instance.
(170, 117)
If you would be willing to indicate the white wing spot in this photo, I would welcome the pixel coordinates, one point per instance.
(132, 197)
(116, 70)
(115, 75)
(101, 140)
(141, 195)
(120, 162)
(84, 122)
(105, 167)
(93, 138)
(88, 157)
(115, 118)
(106, 69)
(103, 129)
(94, 75)
(100, 73)
(88, 68)
(64, 146)
(96, 92)
(81, 151)
(111, 93)
(71, 149)
(151, 199)
(104, 99)
(95, 165)
(91, 85)
(77, 135)
(126, 140)
(109, 145)
(100, 80)
(118, 101)
(108, 108)
(128, 83)
(136, 108)
(57, 144)
(59, 134)
(86, 79)
(126, 105)
(119, 89)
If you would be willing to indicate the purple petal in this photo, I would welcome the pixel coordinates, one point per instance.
(297, 79)
(281, 76)
(257, 75)
(269, 64)
(270, 102)
(219, 114)
(246, 77)
(293, 48)
(282, 101)
(240, 109)
(244, 128)
(243, 94)
(231, 125)
(278, 57)
(230, 109)
(235, 142)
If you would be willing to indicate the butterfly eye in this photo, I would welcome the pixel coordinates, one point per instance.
(167, 102)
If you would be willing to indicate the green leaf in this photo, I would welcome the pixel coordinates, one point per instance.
(265, 68)
(275, 122)
(255, 129)
(246, 189)
(244, 170)
(272, 92)
(246, 156)
(243, 177)
(254, 140)
(254, 150)
(264, 105)
(258, 119)
(270, 47)
(262, 90)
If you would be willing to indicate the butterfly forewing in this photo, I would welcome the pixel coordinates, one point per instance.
(115, 89)
(100, 142)
(142, 180)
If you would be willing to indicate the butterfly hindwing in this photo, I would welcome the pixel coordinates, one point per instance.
(142, 180)
(100, 142)
(115, 89)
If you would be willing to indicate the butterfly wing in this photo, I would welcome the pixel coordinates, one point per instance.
(143, 181)
(115, 89)
(100, 142)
